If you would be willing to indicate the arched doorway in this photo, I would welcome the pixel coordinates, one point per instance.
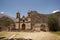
(0, 29)
(43, 27)
(23, 26)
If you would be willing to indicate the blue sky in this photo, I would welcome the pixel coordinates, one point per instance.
(10, 7)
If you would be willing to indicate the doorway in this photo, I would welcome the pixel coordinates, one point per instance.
(0, 29)
(23, 26)
(43, 27)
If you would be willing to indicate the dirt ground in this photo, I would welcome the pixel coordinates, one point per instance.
(35, 35)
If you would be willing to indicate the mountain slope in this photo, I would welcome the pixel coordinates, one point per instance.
(6, 18)
(42, 18)
(3, 15)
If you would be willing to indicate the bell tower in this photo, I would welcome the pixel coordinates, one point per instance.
(29, 15)
(17, 21)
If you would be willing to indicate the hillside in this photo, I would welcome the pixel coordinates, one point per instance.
(12, 18)
(6, 18)
(42, 18)
(38, 18)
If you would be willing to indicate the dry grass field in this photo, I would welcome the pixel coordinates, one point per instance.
(31, 35)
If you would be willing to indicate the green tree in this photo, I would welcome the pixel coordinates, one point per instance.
(7, 24)
(53, 23)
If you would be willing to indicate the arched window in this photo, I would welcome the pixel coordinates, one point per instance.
(23, 20)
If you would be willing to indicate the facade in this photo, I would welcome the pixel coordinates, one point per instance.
(25, 24)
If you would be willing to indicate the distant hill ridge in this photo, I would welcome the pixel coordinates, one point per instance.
(3, 15)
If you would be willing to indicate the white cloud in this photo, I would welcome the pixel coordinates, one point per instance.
(56, 11)
(2, 12)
